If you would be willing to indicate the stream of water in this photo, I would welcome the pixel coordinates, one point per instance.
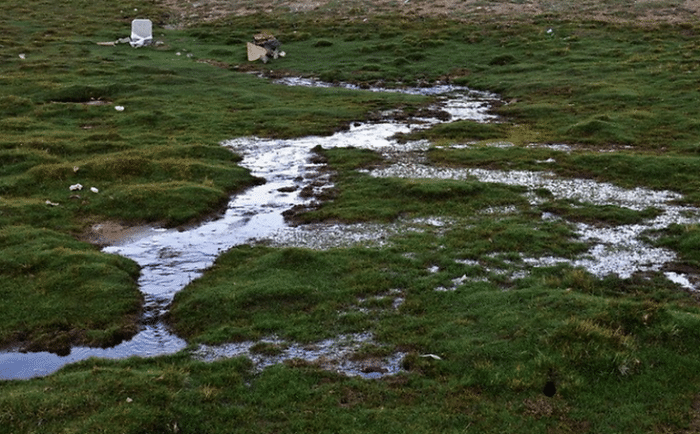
(170, 259)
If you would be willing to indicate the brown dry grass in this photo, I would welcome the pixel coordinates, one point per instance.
(187, 12)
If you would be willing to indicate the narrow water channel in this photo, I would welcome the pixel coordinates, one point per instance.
(170, 259)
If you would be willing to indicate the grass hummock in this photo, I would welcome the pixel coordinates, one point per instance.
(488, 347)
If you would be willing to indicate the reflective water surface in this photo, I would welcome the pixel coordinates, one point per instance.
(170, 259)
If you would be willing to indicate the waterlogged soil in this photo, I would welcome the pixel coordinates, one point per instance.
(171, 258)
(339, 355)
(620, 250)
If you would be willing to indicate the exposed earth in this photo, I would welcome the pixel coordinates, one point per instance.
(186, 12)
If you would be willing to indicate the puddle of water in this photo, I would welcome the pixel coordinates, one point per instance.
(170, 259)
(472, 95)
(324, 236)
(152, 341)
(332, 354)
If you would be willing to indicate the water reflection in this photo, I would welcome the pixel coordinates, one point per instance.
(170, 259)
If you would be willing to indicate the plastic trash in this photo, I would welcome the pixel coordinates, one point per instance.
(141, 33)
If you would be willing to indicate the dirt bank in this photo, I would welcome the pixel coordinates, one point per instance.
(186, 12)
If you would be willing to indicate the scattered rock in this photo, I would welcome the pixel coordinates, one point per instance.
(264, 47)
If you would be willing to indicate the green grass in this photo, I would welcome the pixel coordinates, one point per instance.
(684, 239)
(57, 291)
(623, 352)
(497, 349)
(639, 78)
(157, 161)
(360, 197)
(674, 171)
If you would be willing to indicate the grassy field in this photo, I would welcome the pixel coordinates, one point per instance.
(157, 161)
(624, 354)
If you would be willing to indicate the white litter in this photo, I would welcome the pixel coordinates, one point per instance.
(431, 356)
(76, 187)
(119, 108)
(94, 190)
(141, 33)
(255, 52)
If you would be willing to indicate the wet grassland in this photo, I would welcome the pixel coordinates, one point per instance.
(482, 332)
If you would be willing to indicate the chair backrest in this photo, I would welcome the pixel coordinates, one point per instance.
(141, 32)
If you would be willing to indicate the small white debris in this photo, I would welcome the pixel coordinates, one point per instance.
(76, 168)
(76, 187)
(119, 108)
(550, 31)
(129, 400)
(22, 56)
(48, 202)
(431, 356)
(460, 280)
(681, 280)
(94, 190)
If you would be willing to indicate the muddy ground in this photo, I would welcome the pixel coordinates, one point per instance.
(187, 12)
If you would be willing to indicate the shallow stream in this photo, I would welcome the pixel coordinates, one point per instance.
(170, 259)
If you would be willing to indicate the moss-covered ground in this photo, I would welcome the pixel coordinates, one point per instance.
(624, 354)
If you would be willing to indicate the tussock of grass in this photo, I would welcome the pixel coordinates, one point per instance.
(623, 353)
(684, 239)
(598, 214)
(293, 293)
(49, 281)
(364, 198)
